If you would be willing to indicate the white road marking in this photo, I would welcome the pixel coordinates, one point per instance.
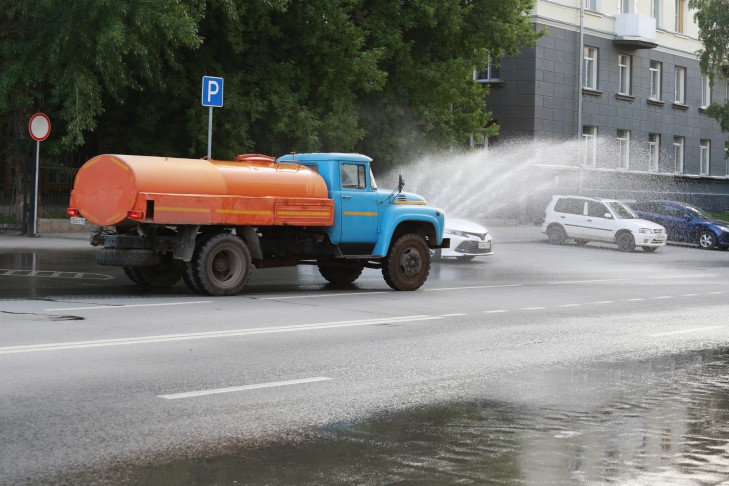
(474, 287)
(570, 305)
(211, 334)
(126, 306)
(316, 296)
(54, 274)
(495, 311)
(230, 389)
(686, 331)
(662, 277)
(533, 308)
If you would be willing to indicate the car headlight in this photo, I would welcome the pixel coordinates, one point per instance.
(723, 228)
(455, 232)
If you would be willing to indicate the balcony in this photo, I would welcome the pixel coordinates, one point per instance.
(633, 31)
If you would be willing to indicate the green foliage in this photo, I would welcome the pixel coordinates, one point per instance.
(388, 78)
(712, 17)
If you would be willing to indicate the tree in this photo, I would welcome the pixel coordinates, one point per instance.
(712, 17)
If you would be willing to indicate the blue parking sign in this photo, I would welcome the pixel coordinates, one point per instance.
(212, 91)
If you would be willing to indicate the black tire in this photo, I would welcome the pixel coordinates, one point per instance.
(556, 234)
(407, 264)
(188, 268)
(341, 274)
(649, 249)
(127, 258)
(626, 242)
(707, 240)
(134, 275)
(222, 266)
(166, 274)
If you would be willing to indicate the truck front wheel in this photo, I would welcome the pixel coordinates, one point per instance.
(341, 274)
(222, 265)
(407, 264)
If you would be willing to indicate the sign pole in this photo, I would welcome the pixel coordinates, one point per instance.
(210, 132)
(35, 191)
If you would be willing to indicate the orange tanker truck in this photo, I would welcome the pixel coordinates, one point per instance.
(209, 221)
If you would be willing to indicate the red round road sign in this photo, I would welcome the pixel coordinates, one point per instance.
(39, 126)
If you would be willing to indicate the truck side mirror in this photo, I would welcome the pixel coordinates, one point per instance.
(400, 183)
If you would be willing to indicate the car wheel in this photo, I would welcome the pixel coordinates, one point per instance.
(556, 234)
(707, 240)
(649, 249)
(626, 242)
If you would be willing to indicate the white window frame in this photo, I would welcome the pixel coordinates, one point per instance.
(493, 73)
(705, 90)
(589, 135)
(704, 157)
(623, 137)
(678, 146)
(624, 62)
(590, 58)
(680, 85)
(654, 151)
(656, 68)
(593, 5)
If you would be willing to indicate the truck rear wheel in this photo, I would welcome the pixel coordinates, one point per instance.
(166, 274)
(341, 274)
(407, 264)
(222, 266)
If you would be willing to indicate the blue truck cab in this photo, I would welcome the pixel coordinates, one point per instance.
(373, 227)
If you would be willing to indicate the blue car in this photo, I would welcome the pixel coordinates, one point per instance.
(686, 224)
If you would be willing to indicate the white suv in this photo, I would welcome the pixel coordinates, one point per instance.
(594, 219)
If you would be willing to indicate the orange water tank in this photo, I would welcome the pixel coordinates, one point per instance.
(108, 187)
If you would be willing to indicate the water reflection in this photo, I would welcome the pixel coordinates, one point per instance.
(660, 421)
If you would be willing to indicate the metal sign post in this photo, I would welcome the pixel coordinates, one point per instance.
(212, 96)
(39, 127)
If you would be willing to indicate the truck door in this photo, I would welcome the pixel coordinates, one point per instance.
(358, 208)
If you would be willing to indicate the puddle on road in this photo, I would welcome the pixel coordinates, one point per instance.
(663, 421)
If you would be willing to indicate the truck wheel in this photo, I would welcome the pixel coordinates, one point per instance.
(166, 274)
(188, 268)
(341, 274)
(133, 274)
(407, 264)
(223, 265)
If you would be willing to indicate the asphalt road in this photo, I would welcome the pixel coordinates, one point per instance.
(98, 375)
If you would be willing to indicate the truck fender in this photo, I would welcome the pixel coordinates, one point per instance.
(250, 236)
(391, 224)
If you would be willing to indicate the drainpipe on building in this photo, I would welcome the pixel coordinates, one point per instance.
(581, 64)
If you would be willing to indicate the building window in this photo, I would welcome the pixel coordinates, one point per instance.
(591, 5)
(705, 91)
(678, 155)
(624, 149)
(656, 11)
(654, 147)
(680, 16)
(492, 73)
(589, 135)
(680, 96)
(704, 149)
(655, 72)
(590, 55)
(624, 6)
(624, 67)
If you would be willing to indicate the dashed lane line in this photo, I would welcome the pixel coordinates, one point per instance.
(231, 389)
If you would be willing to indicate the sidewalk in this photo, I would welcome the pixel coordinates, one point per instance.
(15, 242)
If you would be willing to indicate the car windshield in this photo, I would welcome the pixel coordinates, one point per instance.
(621, 210)
(698, 213)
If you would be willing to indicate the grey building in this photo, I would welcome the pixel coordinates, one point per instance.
(620, 79)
